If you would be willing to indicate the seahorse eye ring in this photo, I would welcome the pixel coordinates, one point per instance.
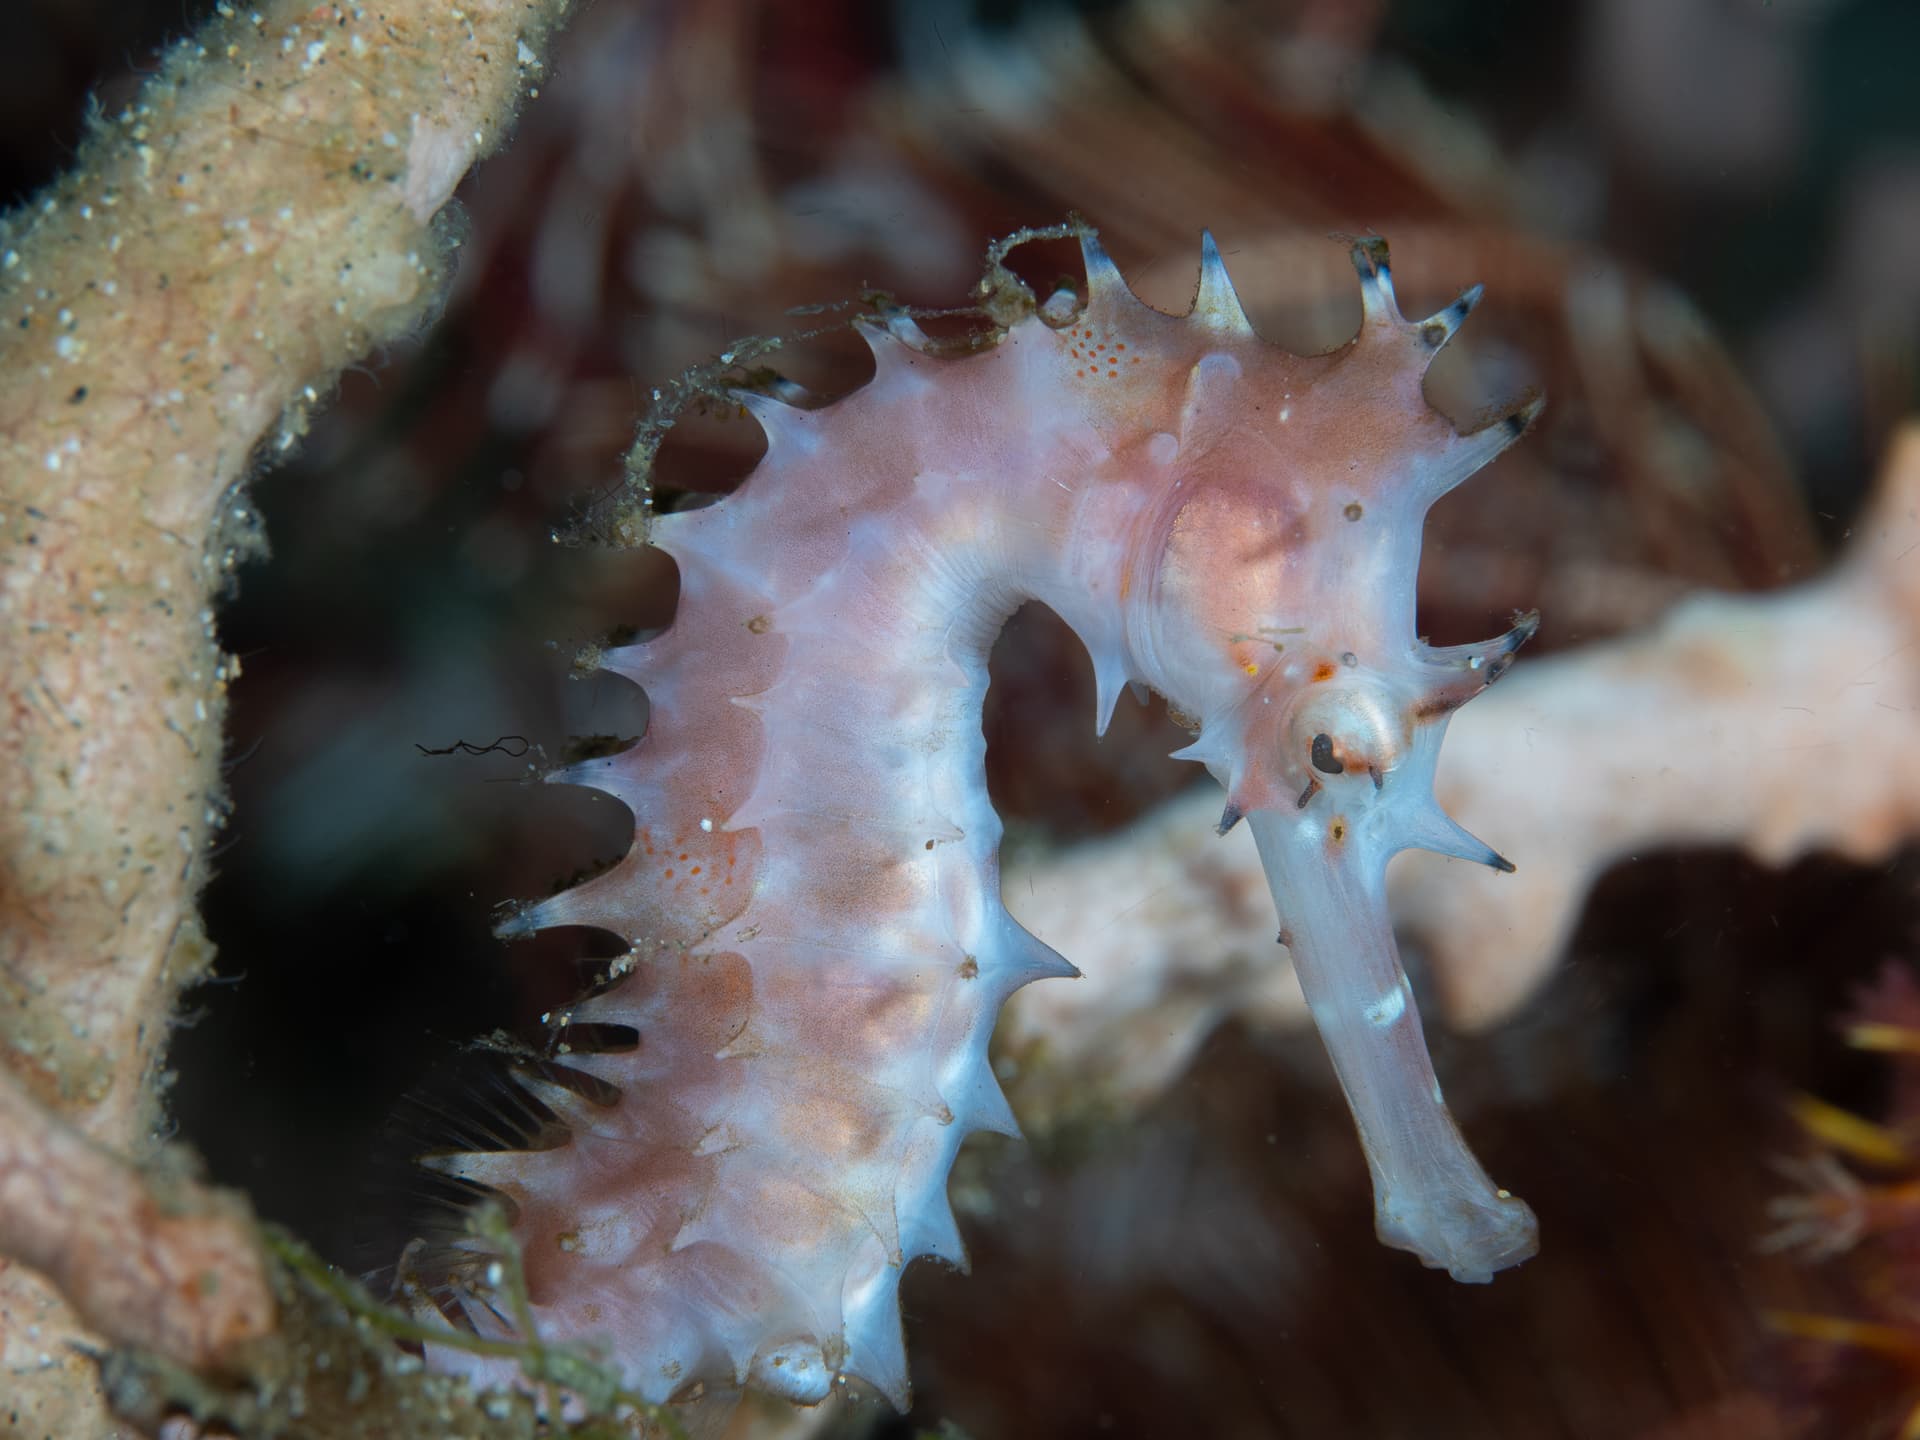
(1348, 731)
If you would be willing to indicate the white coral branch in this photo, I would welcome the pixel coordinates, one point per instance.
(254, 221)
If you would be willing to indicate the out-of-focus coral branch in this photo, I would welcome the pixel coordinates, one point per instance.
(179, 1274)
(1777, 724)
(262, 214)
(257, 219)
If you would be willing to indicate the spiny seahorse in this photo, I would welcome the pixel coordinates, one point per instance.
(761, 1114)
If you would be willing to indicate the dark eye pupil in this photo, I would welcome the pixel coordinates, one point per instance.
(1324, 759)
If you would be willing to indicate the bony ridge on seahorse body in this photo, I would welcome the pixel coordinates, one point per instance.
(762, 1113)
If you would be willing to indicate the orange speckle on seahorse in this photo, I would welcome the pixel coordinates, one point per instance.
(694, 871)
(669, 874)
(1324, 670)
(1251, 668)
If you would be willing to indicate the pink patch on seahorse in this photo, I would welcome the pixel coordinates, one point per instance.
(818, 946)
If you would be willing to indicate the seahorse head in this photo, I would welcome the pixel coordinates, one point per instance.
(1269, 589)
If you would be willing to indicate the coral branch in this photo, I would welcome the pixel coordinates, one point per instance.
(1670, 737)
(1778, 725)
(179, 1275)
(261, 215)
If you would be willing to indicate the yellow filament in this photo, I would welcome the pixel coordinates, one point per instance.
(1892, 1039)
(1894, 1340)
(1847, 1133)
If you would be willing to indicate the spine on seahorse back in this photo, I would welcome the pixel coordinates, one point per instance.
(818, 947)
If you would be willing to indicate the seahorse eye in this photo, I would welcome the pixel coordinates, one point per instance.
(1324, 758)
(1348, 731)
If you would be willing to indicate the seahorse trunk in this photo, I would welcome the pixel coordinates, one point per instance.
(818, 946)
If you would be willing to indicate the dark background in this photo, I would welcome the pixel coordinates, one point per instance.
(690, 173)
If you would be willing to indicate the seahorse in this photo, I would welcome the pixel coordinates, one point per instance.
(759, 1116)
